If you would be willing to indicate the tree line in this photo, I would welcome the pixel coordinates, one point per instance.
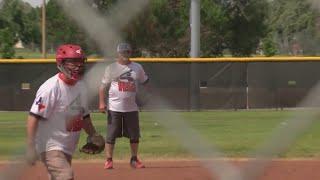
(228, 27)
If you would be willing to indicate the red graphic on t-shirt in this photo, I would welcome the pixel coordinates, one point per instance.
(74, 124)
(40, 105)
(127, 86)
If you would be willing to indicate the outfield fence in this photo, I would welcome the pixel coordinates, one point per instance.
(222, 83)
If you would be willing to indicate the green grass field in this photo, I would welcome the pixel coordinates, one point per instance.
(236, 133)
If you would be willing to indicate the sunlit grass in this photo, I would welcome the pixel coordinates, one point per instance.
(236, 133)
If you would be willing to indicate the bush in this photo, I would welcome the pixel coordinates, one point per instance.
(7, 51)
(269, 47)
(7, 41)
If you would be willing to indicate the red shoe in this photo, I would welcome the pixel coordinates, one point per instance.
(136, 164)
(108, 164)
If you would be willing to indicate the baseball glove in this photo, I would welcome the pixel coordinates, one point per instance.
(95, 144)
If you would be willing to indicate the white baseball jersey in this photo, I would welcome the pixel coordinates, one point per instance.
(62, 108)
(124, 81)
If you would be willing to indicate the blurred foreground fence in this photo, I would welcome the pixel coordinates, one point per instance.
(223, 83)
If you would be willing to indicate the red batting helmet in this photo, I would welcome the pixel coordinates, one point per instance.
(70, 60)
(69, 51)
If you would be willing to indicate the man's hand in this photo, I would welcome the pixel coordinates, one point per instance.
(102, 98)
(31, 155)
(102, 107)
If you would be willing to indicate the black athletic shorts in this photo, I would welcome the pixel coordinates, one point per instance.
(122, 124)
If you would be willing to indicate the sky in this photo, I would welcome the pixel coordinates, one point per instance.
(34, 3)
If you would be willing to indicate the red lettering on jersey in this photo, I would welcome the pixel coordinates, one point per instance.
(74, 124)
(126, 86)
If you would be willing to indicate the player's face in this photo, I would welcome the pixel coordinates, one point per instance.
(125, 55)
(74, 68)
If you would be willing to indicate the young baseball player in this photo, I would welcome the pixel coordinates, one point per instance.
(121, 79)
(58, 113)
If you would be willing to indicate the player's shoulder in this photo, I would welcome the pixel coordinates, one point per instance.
(136, 64)
(49, 85)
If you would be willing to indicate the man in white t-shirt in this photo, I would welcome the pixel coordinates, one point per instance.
(59, 112)
(122, 79)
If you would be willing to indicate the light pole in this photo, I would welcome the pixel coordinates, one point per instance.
(195, 28)
(194, 91)
(43, 27)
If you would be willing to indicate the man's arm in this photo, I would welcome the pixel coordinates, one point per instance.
(88, 126)
(102, 97)
(32, 126)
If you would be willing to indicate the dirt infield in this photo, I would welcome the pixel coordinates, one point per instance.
(176, 170)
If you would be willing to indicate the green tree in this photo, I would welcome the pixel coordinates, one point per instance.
(102, 5)
(30, 33)
(294, 21)
(214, 28)
(19, 22)
(7, 41)
(9, 18)
(269, 47)
(61, 29)
(247, 25)
(161, 30)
